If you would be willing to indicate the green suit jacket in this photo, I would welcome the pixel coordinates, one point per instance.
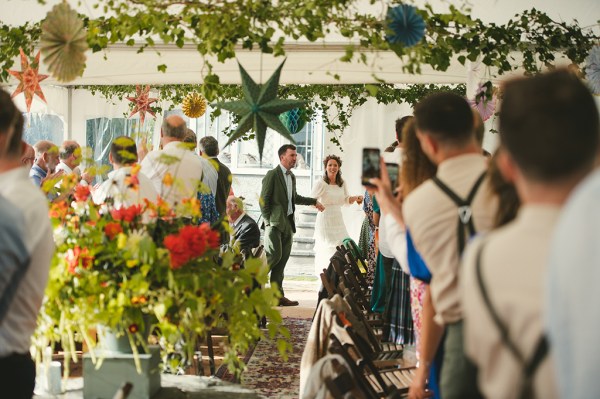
(274, 200)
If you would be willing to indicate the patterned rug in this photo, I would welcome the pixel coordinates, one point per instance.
(267, 374)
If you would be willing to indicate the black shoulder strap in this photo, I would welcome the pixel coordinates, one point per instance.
(529, 367)
(465, 213)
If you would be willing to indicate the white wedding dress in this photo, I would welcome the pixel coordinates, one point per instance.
(330, 229)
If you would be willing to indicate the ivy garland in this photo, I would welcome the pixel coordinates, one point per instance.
(530, 40)
(335, 103)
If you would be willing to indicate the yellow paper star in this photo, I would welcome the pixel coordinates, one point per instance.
(29, 79)
(142, 102)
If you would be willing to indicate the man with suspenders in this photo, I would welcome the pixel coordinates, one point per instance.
(549, 140)
(441, 215)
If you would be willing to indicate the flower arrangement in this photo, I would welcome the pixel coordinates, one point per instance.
(141, 268)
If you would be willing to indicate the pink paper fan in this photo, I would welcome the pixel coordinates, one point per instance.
(485, 106)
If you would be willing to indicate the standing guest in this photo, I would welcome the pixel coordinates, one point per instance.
(330, 230)
(572, 300)
(70, 156)
(46, 159)
(504, 271)
(209, 147)
(125, 186)
(444, 123)
(278, 199)
(246, 234)
(206, 193)
(367, 241)
(26, 248)
(28, 155)
(175, 171)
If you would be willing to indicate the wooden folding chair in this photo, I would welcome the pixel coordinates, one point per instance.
(376, 383)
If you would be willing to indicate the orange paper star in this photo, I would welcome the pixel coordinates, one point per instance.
(142, 102)
(29, 79)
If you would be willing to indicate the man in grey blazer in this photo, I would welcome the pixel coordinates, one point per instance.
(278, 199)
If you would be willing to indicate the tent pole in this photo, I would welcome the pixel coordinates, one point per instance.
(70, 113)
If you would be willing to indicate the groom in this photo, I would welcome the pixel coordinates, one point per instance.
(278, 200)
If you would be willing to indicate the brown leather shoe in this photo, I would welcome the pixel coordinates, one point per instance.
(286, 302)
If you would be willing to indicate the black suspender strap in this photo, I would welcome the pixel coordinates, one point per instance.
(465, 213)
(529, 367)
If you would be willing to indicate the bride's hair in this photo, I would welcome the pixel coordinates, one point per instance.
(338, 177)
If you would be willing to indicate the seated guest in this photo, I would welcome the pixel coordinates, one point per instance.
(26, 248)
(549, 138)
(70, 157)
(246, 234)
(125, 185)
(46, 160)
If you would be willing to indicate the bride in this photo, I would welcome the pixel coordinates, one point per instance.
(330, 230)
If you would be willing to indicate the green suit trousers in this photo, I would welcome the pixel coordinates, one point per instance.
(278, 246)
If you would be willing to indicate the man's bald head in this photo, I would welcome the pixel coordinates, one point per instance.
(174, 127)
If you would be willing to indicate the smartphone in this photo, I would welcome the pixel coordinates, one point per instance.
(393, 171)
(370, 165)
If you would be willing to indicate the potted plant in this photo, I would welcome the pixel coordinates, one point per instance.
(142, 268)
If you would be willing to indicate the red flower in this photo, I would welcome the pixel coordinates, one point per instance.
(128, 214)
(195, 239)
(212, 237)
(81, 193)
(78, 256)
(178, 250)
(133, 328)
(112, 229)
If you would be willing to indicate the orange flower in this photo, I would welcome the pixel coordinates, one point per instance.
(58, 210)
(133, 328)
(112, 229)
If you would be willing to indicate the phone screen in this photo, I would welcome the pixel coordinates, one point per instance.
(393, 171)
(370, 165)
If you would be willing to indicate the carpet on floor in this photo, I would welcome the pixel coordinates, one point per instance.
(267, 373)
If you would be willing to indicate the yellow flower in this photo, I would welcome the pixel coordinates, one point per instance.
(121, 240)
(132, 263)
(168, 179)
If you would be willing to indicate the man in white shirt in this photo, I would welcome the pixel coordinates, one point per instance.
(125, 186)
(25, 266)
(549, 140)
(175, 171)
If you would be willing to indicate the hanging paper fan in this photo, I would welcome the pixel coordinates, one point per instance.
(592, 69)
(142, 103)
(29, 79)
(484, 105)
(193, 105)
(260, 108)
(63, 43)
(294, 119)
(404, 25)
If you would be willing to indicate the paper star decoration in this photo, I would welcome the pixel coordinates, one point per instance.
(260, 108)
(484, 105)
(142, 103)
(29, 79)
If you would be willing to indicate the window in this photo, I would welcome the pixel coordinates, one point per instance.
(304, 146)
(100, 133)
(43, 127)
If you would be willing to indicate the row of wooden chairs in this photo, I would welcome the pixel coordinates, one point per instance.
(378, 368)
